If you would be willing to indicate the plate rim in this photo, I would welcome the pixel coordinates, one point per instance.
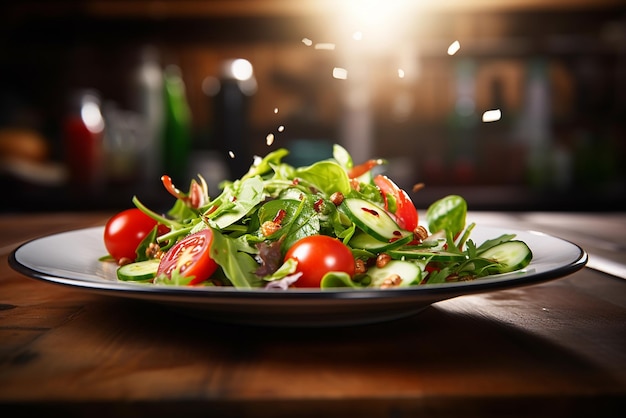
(444, 291)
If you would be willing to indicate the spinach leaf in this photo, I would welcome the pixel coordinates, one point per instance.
(145, 243)
(327, 176)
(447, 214)
(305, 223)
(300, 219)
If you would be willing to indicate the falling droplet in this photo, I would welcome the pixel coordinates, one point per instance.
(492, 115)
(454, 48)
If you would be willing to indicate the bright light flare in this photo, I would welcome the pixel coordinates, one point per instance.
(92, 117)
(231, 154)
(269, 139)
(307, 41)
(325, 46)
(400, 73)
(378, 21)
(454, 48)
(374, 12)
(340, 73)
(492, 115)
(241, 69)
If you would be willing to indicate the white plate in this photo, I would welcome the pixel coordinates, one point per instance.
(71, 258)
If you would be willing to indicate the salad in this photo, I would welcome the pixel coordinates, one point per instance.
(332, 224)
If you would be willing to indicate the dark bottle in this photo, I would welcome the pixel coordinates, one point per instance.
(83, 133)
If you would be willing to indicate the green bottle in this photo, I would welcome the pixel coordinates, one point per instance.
(177, 129)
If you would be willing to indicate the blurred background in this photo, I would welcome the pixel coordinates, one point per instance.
(515, 105)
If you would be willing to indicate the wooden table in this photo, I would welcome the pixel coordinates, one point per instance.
(552, 349)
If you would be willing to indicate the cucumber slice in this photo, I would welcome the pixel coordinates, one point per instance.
(364, 241)
(511, 255)
(443, 256)
(140, 271)
(373, 220)
(409, 271)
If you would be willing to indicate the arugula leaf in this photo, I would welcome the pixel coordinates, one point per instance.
(236, 201)
(438, 276)
(461, 241)
(493, 242)
(239, 267)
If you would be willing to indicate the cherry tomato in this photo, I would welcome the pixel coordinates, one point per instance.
(317, 255)
(405, 212)
(191, 257)
(124, 232)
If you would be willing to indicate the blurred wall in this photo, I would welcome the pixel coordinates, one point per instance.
(556, 72)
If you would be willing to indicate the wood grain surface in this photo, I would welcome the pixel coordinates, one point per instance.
(557, 349)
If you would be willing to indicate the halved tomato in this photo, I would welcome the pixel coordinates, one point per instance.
(404, 211)
(190, 257)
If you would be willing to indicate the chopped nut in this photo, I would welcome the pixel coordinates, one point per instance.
(336, 198)
(269, 227)
(382, 260)
(154, 251)
(420, 233)
(123, 261)
(452, 278)
(359, 266)
(392, 281)
(417, 187)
